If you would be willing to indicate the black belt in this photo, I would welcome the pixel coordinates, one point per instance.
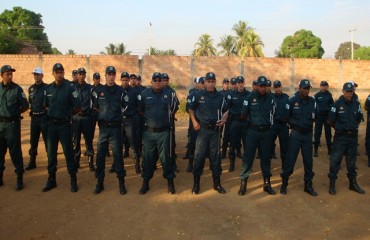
(156, 130)
(38, 114)
(261, 128)
(208, 126)
(9, 119)
(302, 130)
(60, 121)
(116, 124)
(347, 133)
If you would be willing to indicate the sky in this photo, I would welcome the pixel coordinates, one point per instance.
(87, 27)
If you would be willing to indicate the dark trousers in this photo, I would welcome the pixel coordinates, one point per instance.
(82, 125)
(192, 138)
(299, 141)
(130, 126)
(39, 125)
(367, 138)
(343, 146)
(157, 145)
(208, 139)
(109, 136)
(281, 130)
(256, 139)
(10, 137)
(238, 131)
(320, 121)
(225, 132)
(60, 133)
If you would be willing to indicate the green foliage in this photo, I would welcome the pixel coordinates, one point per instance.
(204, 46)
(55, 51)
(303, 44)
(344, 50)
(23, 27)
(71, 52)
(362, 53)
(228, 45)
(116, 49)
(182, 109)
(154, 51)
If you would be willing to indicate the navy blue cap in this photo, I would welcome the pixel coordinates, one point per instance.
(254, 83)
(110, 69)
(125, 74)
(165, 75)
(348, 86)
(96, 75)
(324, 83)
(268, 83)
(233, 80)
(226, 80)
(261, 80)
(210, 75)
(138, 77)
(201, 80)
(81, 70)
(7, 68)
(239, 79)
(277, 83)
(74, 72)
(133, 75)
(59, 66)
(156, 75)
(304, 83)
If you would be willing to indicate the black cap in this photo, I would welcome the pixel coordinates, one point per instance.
(165, 75)
(304, 83)
(324, 83)
(74, 72)
(201, 80)
(268, 83)
(96, 75)
(125, 74)
(7, 68)
(254, 83)
(110, 69)
(277, 83)
(353, 83)
(233, 80)
(239, 79)
(81, 70)
(348, 87)
(156, 75)
(138, 77)
(262, 80)
(59, 66)
(210, 75)
(226, 80)
(133, 75)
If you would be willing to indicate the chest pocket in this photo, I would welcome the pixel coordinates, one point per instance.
(11, 99)
(202, 106)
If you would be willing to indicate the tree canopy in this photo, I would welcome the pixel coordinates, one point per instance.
(19, 27)
(362, 53)
(155, 51)
(204, 46)
(303, 44)
(344, 50)
(116, 49)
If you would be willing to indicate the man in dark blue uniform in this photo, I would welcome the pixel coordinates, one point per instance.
(135, 81)
(13, 103)
(302, 109)
(109, 103)
(74, 77)
(206, 110)
(324, 100)
(280, 128)
(225, 130)
(258, 109)
(239, 125)
(39, 122)
(61, 101)
(125, 78)
(234, 87)
(344, 117)
(157, 104)
(82, 121)
(367, 138)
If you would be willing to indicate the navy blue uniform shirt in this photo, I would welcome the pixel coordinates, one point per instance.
(302, 111)
(259, 109)
(346, 115)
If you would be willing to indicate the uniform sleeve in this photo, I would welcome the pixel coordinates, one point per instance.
(193, 105)
(333, 113)
(23, 103)
(175, 103)
(245, 108)
(140, 103)
(75, 99)
(367, 103)
(224, 106)
(314, 110)
(360, 115)
(228, 99)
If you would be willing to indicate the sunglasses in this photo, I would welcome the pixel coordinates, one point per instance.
(157, 80)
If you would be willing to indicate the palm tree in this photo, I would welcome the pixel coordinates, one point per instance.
(116, 49)
(228, 44)
(241, 30)
(71, 52)
(252, 45)
(204, 46)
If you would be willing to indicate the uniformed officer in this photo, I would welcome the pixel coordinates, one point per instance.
(140, 121)
(344, 117)
(13, 102)
(74, 77)
(280, 127)
(125, 78)
(61, 101)
(96, 85)
(206, 110)
(302, 109)
(259, 109)
(83, 120)
(109, 104)
(239, 125)
(324, 100)
(254, 86)
(157, 104)
(225, 130)
(367, 138)
(38, 115)
(234, 87)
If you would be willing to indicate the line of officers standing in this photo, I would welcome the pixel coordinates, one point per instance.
(143, 119)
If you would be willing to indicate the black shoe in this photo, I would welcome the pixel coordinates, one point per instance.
(219, 189)
(112, 170)
(91, 164)
(243, 187)
(19, 185)
(122, 187)
(171, 186)
(309, 189)
(99, 187)
(74, 187)
(196, 187)
(267, 186)
(232, 165)
(315, 152)
(332, 190)
(145, 187)
(355, 187)
(189, 169)
(50, 184)
(31, 165)
(284, 185)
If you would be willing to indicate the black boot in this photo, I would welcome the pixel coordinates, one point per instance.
(329, 150)
(223, 152)
(284, 185)
(267, 186)
(91, 163)
(309, 189)
(122, 188)
(74, 187)
(32, 163)
(126, 153)
(196, 186)
(332, 187)
(137, 165)
(51, 183)
(217, 185)
(232, 165)
(239, 153)
(77, 161)
(171, 186)
(187, 154)
(189, 169)
(19, 185)
(243, 187)
(1, 178)
(355, 187)
(111, 170)
(145, 188)
(315, 149)
(99, 187)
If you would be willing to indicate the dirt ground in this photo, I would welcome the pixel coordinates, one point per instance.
(60, 214)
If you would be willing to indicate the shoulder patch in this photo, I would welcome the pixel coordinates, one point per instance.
(75, 94)
(333, 109)
(245, 103)
(139, 97)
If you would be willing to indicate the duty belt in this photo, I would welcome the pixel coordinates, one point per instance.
(302, 130)
(347, 133)
(261, 128)
(115, 124)
(9, 119)
(38, 114)
(208, 126)
(156, 130)
(60, 121)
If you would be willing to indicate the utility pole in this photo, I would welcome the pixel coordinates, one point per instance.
(351, 32)
(150, 44)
